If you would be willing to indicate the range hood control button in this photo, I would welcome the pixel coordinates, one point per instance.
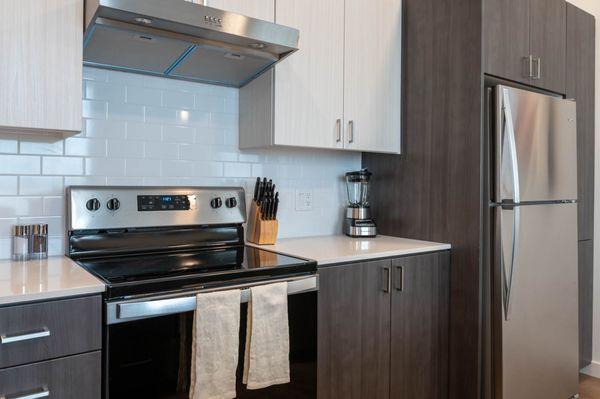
(216, 203)
(92, 205)
(231, 202)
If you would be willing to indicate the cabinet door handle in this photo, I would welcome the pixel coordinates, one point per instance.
(351, 132)
(8, 339)
(40, 393)
(538, 74)
(400, 281)
(528, 66)
(338, 130)
(387, 285)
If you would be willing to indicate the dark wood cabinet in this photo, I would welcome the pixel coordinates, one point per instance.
(507, 44)
(354, 331)
(548, 35)
(420, 325)
(524, 41)
(74, 377)
(383, 328)
(580, 86)
(580, 83)
(586, 288)
(47, 330)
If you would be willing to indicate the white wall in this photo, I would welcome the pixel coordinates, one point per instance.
(141, 130)
(593, 7)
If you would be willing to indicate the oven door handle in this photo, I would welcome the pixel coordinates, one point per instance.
(133, 310)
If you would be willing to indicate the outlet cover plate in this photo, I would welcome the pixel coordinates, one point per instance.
(304, 200)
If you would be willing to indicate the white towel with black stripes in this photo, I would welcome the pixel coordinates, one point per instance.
(215, 345)
(267, 352)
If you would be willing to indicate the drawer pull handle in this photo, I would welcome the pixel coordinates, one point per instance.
(8, 339)
(40, 393)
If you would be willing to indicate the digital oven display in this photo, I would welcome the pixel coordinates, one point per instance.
(163, 203)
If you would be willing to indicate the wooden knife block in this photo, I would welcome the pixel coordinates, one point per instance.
(261, 232)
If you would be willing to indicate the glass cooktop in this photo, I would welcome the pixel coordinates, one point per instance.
(150, 273)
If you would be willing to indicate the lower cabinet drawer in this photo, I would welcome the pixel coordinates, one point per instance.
(41, 331)
(74, 377)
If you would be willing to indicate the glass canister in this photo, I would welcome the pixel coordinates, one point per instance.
(357, 185)
(38, 242)
(20, 248)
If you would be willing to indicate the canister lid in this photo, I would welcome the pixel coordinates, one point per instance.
(22, 230)
(39, 229)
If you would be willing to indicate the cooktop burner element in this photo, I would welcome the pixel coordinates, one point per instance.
(163, 240)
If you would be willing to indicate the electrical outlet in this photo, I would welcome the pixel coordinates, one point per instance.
(304, 200)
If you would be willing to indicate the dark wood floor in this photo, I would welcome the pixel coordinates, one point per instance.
(589, 387)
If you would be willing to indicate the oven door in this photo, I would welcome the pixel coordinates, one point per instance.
(148, 346)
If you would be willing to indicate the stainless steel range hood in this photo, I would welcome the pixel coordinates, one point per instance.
(182, 40)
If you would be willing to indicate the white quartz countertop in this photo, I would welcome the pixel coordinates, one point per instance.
(53, 278)
(339, 248)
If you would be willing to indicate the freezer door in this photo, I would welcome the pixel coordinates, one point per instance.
(535, 332)
(535, 146)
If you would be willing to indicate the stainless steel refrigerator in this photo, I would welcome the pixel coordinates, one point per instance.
(534, 297)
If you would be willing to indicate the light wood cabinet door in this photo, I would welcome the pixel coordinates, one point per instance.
(41, 65)
(372, 89)
(309, 85)
(260, 9)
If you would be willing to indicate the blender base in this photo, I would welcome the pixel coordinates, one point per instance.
(360, 228)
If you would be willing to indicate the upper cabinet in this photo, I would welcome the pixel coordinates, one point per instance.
(260, 9)
(524, 41)
(341, 90)
(41, 66)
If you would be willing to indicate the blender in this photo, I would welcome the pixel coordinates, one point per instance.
(358, 222)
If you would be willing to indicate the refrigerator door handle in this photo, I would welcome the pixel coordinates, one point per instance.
(509, 145)
(508, 276)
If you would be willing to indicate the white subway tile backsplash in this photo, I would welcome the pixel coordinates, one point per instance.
(144, 131)
(104, 167)
(158, 150)
(195, 152)
(209, 169)
(41, 146)
(62, 166)
(178, 99)
(106, 129)
(141, 130)
(144, 96)
(8, 185)
(125, 112)
(237, 169)
(178, 134)
(85, 147)
(125, 149)
(54, 206)
(41, 185)
(104, 91)
(11, 207)
(161, 115)
(6, 227)
(142, 168)
(177, 168)
(8, 146)
(94, 109)
(19, 165)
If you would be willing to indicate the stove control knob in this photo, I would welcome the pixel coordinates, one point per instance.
(216, 203)
(93, 205)
(231, 202)
(113, 204)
